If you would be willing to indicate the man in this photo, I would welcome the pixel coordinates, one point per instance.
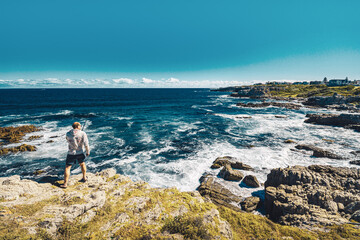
(77, 140)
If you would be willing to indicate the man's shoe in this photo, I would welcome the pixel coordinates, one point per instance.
(83, 180)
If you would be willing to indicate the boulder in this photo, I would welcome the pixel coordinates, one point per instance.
(233, 162)
(250, 204)
(219, 194)
(326, 154)
(229, 174)
(251, 181)
(356, 216)
(351, 121)
(268, 104)
(314, 195)
(355, 162)
(318, 152)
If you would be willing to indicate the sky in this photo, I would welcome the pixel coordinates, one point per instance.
(169, 43)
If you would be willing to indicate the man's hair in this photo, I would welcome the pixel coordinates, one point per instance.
(76, 125)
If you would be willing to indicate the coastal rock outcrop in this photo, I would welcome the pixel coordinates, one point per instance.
(219, 194)
(111, 206)
(251, 181)
(250, 204)
(351, 121)
(318, 152)
(334, 100)
(251, 92)
(10, 135)
(107, 206)
(268, 104)
(230, 174)
(233, 162)
(307, 196)
(355, 162)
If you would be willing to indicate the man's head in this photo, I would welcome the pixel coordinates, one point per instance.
(76, 125)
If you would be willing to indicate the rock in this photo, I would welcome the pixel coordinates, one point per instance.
(250, 204)
(318, 152)
(16, 134)
(352, 207)
(336, 101)
(306, 147)
(326, 154)
(325, 101)
(233, 162)
(314, 195)
(217, 192)
(16, 190)
(289, 141)
(34, 137)
(280, 116)
(229, 174)
(268, 104)
(251, 181)
(38, 172)
(355, 162)
(356, 216)
(21, 148)
(222, 161)
(107, 173)
(351, 121)
(50, 141)
(356, 153)
(107, 206)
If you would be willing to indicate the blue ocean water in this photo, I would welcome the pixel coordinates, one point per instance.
(167, 137)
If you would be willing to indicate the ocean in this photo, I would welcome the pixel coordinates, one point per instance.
(166, 137)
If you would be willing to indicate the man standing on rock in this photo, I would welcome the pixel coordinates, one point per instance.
(77, 140)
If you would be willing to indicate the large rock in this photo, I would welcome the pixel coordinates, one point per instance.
(251, 181)
(250, 204)
(230, 174)
(351, 121)
(336, 100)
(325, 101)
(318, 152)
(219, 194)
(267, 104)
(233, 162)
(355, 162)
(103, 208)
(313, 195)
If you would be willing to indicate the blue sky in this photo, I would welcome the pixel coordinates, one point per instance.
(176, 43)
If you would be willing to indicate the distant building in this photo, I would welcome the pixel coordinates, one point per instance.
(339, 82)
(355, 82)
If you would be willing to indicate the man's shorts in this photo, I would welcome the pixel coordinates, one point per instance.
(71, 159)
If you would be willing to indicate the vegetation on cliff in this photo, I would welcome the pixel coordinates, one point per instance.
(304, 91)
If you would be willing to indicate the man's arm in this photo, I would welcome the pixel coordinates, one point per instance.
(86, 143)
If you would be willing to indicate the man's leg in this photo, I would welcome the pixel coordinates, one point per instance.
(83, 169)
(66, 175)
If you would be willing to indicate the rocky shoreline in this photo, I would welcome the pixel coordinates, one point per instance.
(272, 96)
(111, 206)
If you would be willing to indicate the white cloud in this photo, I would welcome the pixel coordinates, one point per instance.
(173, 80)
(123, 80)
(147, 80)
